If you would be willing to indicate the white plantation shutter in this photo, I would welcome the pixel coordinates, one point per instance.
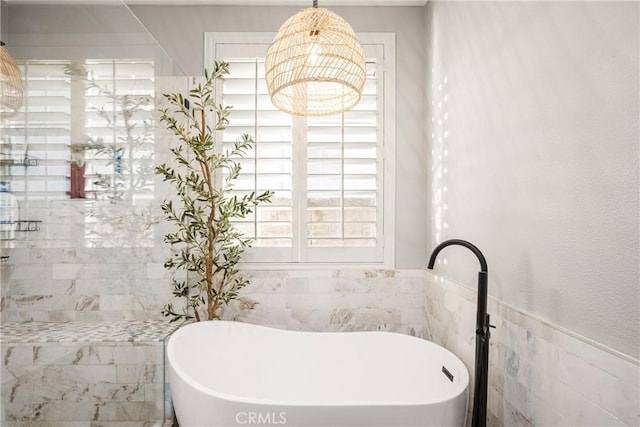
(344, 179)
(35, 141)
(63, 112)
(268, 166)
(118, 110)
(328, 173)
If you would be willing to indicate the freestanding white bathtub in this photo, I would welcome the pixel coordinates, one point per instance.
(233, 374)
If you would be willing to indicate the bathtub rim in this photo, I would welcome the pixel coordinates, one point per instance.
(275, 402)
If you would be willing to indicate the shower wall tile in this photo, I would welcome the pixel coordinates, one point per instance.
(539, 374)
(84, 284)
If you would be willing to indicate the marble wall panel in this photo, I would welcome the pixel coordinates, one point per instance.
(84, 284)
(333, 300)
(539, 374)
(90, 374)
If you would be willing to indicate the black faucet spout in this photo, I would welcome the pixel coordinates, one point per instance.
(459, 242)
(479, 416)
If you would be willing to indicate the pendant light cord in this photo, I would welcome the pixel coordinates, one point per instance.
(315, 4)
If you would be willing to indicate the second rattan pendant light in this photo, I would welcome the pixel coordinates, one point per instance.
(11, 89)
(315, 65)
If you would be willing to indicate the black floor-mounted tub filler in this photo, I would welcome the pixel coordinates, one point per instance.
(479, 417)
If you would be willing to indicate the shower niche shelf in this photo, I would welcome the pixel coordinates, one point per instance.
(26, 161)
(27, 225)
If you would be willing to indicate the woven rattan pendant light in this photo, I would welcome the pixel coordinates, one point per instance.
(11, 88)
(315, 65)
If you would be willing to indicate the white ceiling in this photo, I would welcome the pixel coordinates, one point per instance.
(301, 3)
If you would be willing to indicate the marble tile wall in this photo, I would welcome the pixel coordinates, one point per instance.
(539, 374)
(84, 284)
(333, 300)
(84, 371)
(105, 284)
(87, 374)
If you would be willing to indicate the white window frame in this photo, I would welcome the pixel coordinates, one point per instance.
(384, 43)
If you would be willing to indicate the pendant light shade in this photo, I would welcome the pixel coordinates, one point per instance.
(11, 88)
(315, 65)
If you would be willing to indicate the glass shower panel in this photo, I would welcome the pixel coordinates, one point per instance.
(79, 155)
(81, 229)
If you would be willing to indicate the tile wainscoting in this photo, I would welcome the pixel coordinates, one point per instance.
(539, 373)
(84, 284)
(333, 300)
(95, 371)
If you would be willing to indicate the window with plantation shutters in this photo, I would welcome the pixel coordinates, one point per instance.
(117, 137)
(35, 141)
(332, 176)
(85, 131)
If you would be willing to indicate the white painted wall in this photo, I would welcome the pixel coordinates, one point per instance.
(4, 22)
(180, 32)
(534, 132)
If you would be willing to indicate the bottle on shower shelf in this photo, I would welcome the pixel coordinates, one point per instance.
(8, 212)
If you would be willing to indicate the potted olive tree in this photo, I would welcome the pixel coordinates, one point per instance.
(205, 242)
